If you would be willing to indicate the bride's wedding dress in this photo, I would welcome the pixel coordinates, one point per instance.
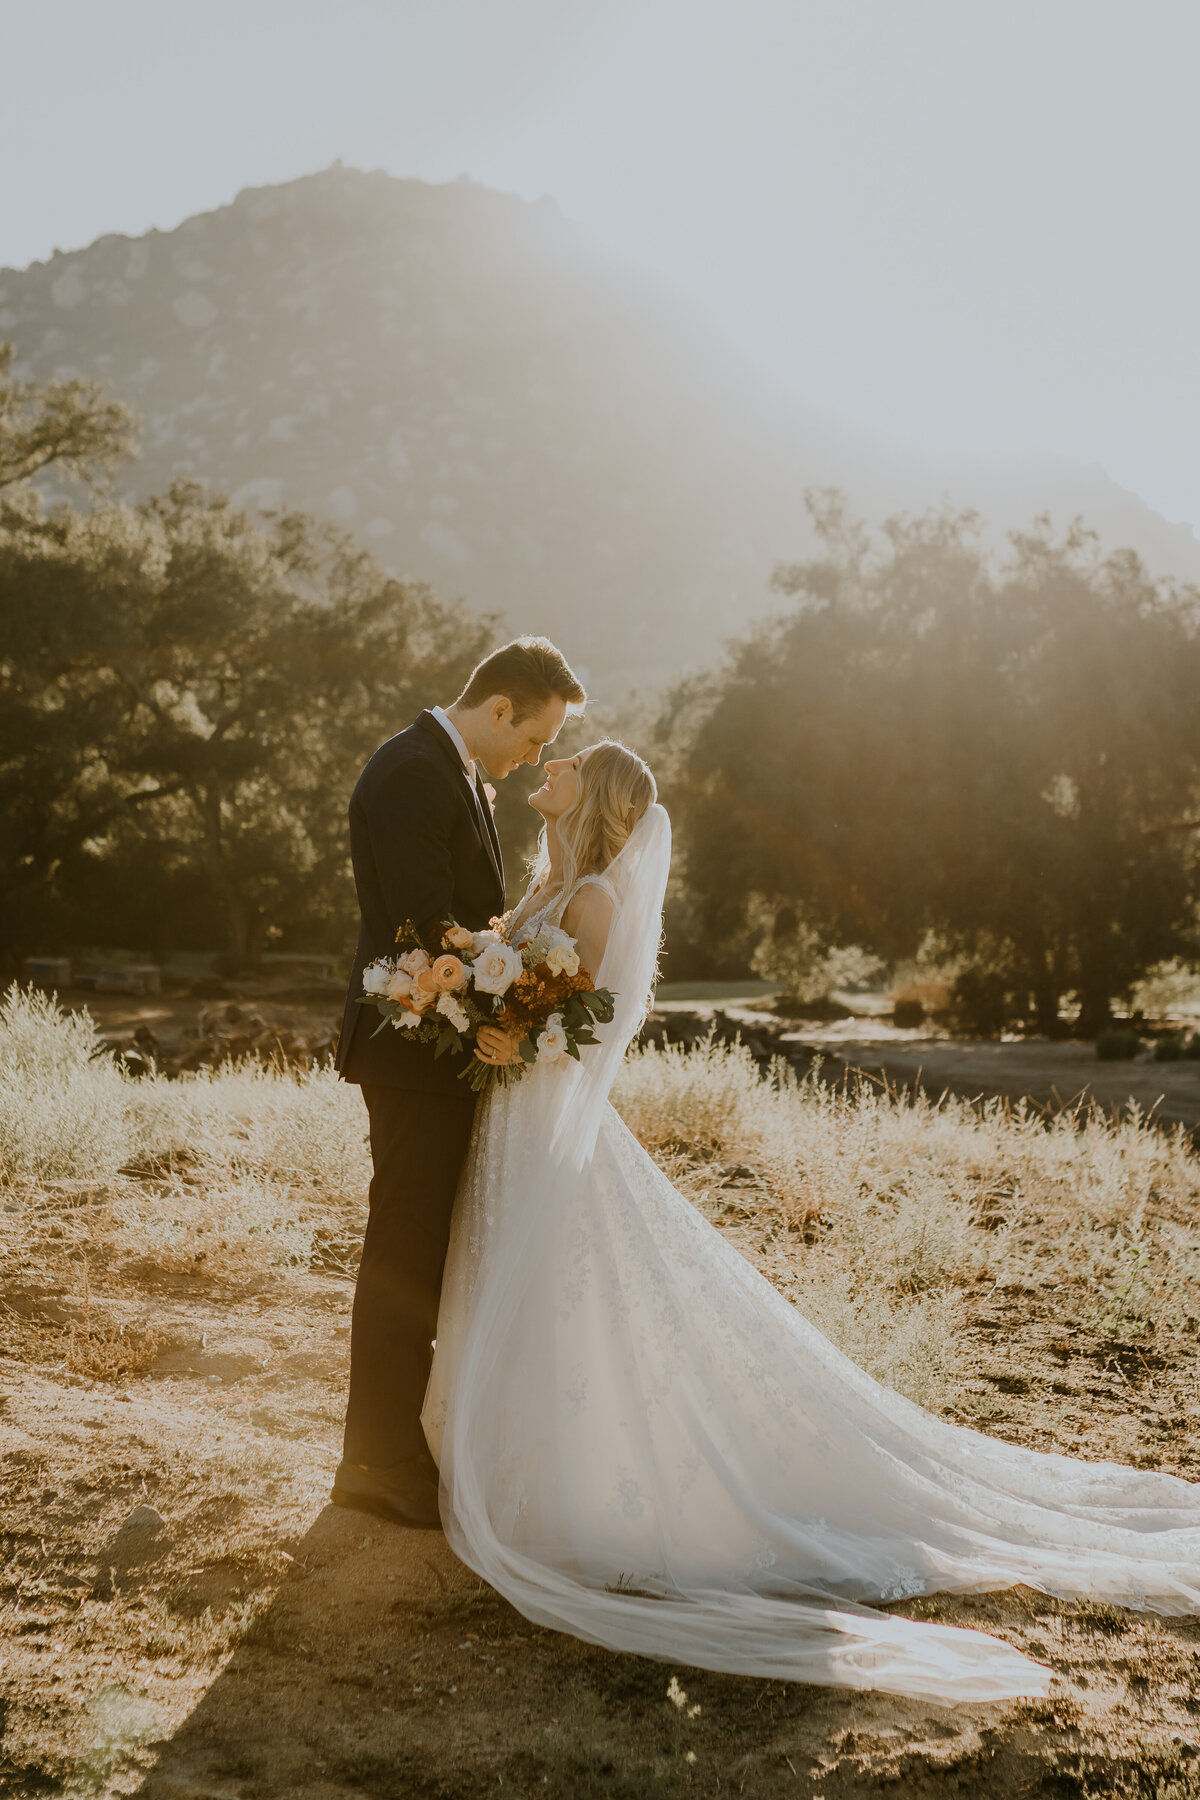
(642, 1443)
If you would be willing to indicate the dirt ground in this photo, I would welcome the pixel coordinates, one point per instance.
(184, 1617)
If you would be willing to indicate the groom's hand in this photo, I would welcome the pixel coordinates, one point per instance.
(494, 1047)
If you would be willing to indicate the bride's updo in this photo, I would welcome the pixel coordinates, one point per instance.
(616, 789)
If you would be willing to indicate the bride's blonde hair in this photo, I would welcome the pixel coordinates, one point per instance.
(616, 789)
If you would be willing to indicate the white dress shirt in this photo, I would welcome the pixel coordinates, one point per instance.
(456, 738)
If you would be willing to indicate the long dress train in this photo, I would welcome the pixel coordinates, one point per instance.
(642, 1443)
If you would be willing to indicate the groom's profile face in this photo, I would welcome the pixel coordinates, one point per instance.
(510, 744)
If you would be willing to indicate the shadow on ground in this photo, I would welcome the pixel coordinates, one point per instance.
(382, 1666)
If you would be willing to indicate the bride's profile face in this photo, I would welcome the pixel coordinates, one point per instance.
(559, 789)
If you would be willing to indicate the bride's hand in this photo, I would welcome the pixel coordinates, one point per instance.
(494, 1047)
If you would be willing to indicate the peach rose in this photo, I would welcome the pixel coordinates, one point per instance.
(449, 972)
(399, 986)
(458, 938)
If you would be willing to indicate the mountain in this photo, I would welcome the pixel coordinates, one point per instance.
(488, 403)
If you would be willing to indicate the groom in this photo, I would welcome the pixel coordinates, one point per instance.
(424, 849)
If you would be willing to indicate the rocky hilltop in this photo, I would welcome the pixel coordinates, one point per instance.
(486, 402)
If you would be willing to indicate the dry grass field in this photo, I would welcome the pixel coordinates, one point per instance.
(182, 1616)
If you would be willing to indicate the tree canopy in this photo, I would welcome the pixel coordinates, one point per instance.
(928, 739)
(186, 695)
(1002, 751)
(70, 426)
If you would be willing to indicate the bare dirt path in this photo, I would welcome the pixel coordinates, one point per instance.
(1049, 1074)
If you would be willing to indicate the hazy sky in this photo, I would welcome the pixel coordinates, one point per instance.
(969, 224)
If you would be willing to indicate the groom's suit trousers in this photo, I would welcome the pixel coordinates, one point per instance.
(418, 1146)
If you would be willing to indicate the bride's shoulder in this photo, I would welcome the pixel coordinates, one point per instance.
(594, 898)
(588, 918)
(597, 889)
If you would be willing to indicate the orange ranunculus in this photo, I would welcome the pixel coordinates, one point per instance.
(424, 990)
(449, 973)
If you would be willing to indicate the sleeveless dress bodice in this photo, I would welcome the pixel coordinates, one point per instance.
(554, 909)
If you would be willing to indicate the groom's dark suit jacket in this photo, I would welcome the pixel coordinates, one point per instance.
(424, 849)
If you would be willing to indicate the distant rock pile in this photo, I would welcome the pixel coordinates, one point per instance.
(225, 1033)
(765, 1041)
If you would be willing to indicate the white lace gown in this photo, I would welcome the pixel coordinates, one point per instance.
(642, 1443)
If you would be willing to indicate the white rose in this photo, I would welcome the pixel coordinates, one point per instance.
(453, 1013)
(399, 986)
(375, 979)
(562, 960)
(404, 1020)
(496, 968)
(552, 1042)
(413, 961)
(481, 939)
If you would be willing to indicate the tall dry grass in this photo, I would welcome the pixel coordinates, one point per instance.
(236, 1172)
(874, 1212)
(62, 1108)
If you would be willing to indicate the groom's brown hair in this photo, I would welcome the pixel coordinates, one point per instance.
(529, 672)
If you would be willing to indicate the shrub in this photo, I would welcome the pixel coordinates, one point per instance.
(792, 953)
(1117, 1043)
(1168, 988)
(62, 1099)
(107, 1350)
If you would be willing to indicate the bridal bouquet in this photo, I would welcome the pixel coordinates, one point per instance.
(536, 990)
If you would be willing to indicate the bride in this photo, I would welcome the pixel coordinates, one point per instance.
(642, 1443)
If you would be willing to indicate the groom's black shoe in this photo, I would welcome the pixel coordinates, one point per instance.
(406, 1494)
